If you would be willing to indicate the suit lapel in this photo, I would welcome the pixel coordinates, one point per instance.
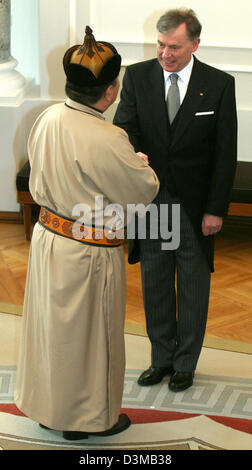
(196, 93)
(155, 94)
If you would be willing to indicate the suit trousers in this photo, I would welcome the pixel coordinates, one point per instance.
(176, 287)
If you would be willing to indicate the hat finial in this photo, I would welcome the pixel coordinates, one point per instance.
(88, 31)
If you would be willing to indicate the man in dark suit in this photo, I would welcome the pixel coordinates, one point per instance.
(181, 113)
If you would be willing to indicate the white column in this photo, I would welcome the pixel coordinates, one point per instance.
(11, 81)
(4, 30)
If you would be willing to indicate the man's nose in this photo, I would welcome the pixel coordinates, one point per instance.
(166, 52)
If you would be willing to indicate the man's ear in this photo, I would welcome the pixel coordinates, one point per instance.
(108, 93)
(196, 44)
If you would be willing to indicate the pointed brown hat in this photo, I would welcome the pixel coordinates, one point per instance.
(92, 63)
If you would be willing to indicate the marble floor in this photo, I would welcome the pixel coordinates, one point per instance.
(212, 361)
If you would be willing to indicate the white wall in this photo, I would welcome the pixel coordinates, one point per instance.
(43, 29)
(25, 37)
(224, 21)
(226, 42)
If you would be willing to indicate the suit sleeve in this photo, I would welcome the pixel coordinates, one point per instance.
(225, 153)
(126, 114)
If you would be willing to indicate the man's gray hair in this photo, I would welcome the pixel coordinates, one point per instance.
(174, 18)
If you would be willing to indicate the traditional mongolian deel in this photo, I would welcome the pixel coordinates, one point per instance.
(71, 362)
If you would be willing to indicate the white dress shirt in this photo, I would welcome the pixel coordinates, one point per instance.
(183, 80)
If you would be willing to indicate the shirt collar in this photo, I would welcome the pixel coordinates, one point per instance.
(84, 108)
(183, 74)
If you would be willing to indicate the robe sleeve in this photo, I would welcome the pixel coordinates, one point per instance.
(120, 174)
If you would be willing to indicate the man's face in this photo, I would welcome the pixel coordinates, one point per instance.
(174, 49)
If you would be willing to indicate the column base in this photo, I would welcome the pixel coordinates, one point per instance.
(13, 86)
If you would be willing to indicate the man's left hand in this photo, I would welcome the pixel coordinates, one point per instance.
(211, 224)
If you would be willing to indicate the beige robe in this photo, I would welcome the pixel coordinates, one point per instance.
(72, 359)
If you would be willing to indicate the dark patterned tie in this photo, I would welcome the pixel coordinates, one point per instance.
(173, 99)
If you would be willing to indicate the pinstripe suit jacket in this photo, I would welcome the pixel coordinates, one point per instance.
(196, 156)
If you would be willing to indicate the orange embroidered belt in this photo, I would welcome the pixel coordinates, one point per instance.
(72, 229)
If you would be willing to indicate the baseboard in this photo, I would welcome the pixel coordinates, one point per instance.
(238, 221)
(240, 209)
(11, 217)
(17, 217)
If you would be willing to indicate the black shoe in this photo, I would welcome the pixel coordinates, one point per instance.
(154, 375)
(45, 427)
(181, 381)
(122, 424)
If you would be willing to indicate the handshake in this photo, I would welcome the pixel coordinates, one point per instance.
(143, 156)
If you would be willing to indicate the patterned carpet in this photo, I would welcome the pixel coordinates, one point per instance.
(214, 414)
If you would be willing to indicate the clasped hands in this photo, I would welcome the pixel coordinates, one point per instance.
(143, 156)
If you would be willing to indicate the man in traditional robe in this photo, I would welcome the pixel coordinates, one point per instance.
(72, 355)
